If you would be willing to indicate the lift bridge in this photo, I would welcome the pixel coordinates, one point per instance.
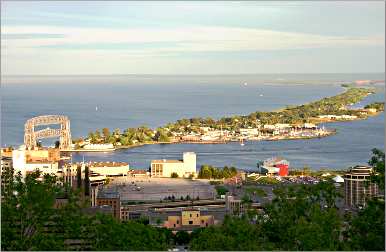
(31, 136)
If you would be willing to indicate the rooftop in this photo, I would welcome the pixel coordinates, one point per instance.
(107, 164)
(138, 171)
(40, 161)
(108, 195)
(166, 161)
(360, 170)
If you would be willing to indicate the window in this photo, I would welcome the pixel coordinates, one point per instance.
(174, 225)
(190, 215)
(190, 222)
(197, 215)
(202, 221)
(178, 222)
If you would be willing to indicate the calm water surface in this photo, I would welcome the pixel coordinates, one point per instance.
(131, 102)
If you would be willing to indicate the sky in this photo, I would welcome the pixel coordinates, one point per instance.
(127, 37)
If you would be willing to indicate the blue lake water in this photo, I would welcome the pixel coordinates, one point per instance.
(153, 101)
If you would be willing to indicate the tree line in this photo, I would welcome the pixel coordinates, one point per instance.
(303, 217)
(300, 217)
(211, 172)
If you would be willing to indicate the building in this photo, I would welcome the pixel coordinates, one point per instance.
(191, 138)
(139, 174)
(99, 147)
(251, 132)
(6, 165)
(186, 219)
(6, 152)
(274, 166)
(46, 160)
(372, 110)
(233, 205)
(184, 168)
(357, 191)
(112, 199)
(109, 169)
(309, 126)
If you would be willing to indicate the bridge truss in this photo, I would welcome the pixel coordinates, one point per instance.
(31, 136)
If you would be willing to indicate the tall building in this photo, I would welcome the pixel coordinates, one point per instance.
(184, 168)
(357, 187)
(6, 164)
(112, 199)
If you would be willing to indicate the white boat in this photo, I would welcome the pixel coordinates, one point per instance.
(245, 84)
(96, 108)
(261, 94)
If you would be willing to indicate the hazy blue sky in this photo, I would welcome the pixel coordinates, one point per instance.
(71, 37)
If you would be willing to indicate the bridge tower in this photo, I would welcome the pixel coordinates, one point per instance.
(64, 133)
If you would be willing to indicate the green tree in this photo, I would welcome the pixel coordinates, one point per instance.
(377, 161)
(221, 190)
(97, 136)
(161, 135)
(235, 234)
(298, 219)
(182, 238)
(106, 133)
(117, 132)
(174, 175)
(205, 172)
(367, 229)
(31, 222)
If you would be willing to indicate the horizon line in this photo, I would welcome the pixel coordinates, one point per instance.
(170, 74)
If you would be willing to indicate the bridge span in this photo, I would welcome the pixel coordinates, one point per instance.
(31, 135)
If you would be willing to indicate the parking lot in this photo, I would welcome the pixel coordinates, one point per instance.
(156, 189)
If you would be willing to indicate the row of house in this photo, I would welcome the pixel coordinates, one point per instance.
(209, 134)
(338, 117)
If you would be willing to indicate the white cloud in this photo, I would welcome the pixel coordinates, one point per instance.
(190, 39)
(28, 56)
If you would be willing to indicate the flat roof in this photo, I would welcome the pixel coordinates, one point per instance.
(138, 171)
(166, 161)
(107, 164)
(40, 162)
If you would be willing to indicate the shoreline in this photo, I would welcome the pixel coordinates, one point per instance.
(208, 142)
(274, 137)
(286, 138)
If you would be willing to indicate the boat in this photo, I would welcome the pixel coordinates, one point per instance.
(245, 84)
(96, 108)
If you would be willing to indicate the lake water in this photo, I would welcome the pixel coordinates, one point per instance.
(131, 101)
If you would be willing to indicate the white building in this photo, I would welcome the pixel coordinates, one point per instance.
(327, 116)
(348, 117)
(309, 126)
(269, 126)
(184, 168)
(27, 161)
(109, 169)
(249, 132)
(282, 126)
(98, 147)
